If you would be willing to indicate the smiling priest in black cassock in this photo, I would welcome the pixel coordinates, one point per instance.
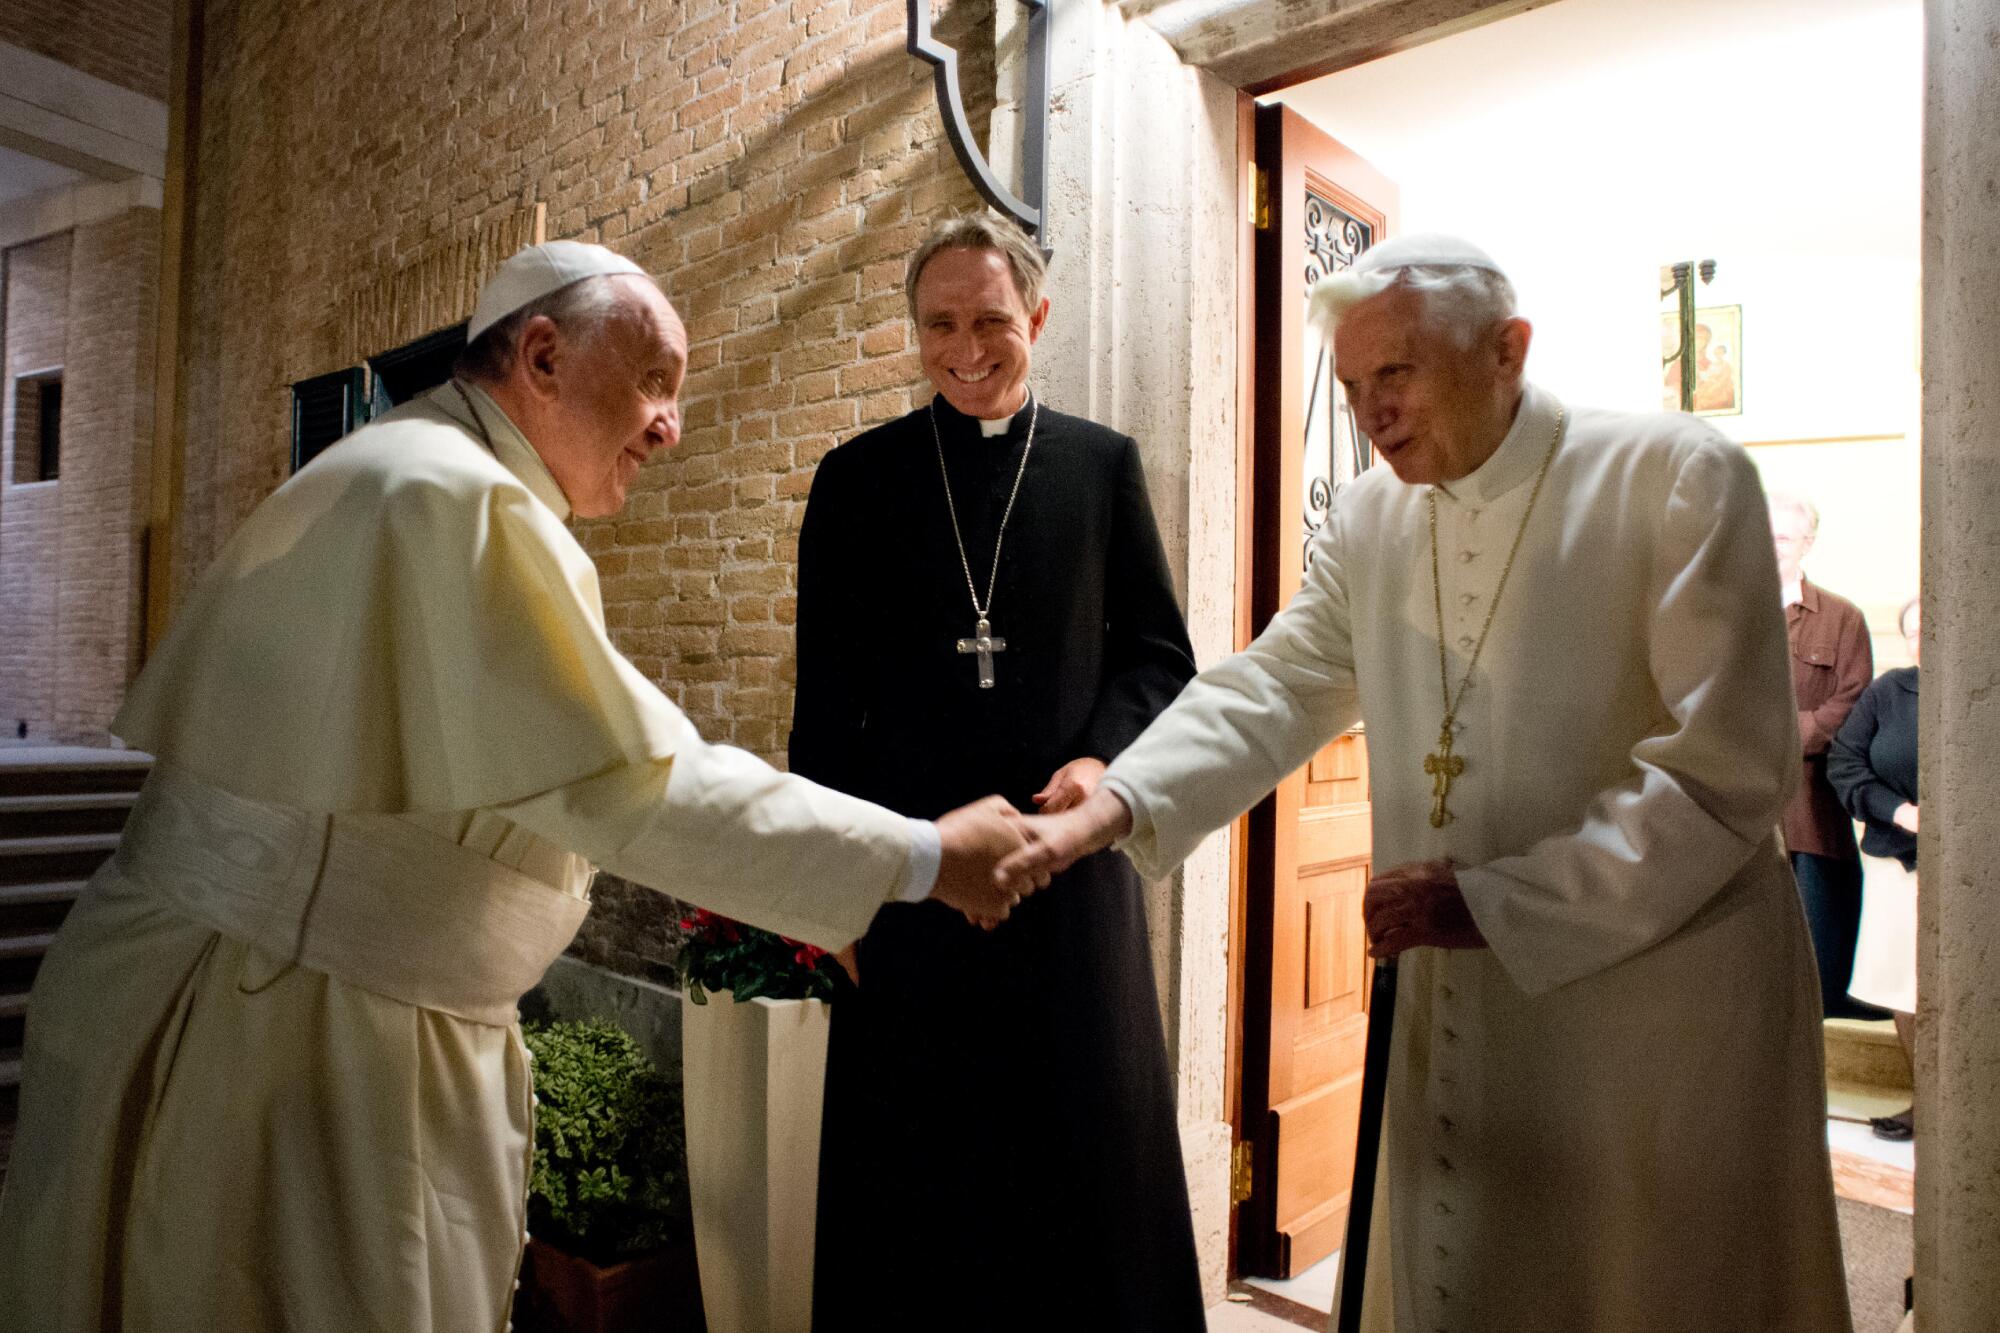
(984, 605)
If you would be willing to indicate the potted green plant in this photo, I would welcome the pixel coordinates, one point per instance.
(754, 1074)
(607, 1193)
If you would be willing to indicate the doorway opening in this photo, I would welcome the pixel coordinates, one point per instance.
(1590, 146)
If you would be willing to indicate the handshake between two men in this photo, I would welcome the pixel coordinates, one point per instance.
(1405, 907)
(988, 858)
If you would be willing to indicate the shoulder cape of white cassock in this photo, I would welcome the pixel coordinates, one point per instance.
(404, 625)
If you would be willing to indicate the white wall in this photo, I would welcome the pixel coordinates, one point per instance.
(1589, 142)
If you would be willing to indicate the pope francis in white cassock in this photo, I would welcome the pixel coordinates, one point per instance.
(273, 1078)
(1606, 1105)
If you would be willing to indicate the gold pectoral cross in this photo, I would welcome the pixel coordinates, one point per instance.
(1442, 766)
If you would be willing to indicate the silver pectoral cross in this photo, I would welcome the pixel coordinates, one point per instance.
(983, 643)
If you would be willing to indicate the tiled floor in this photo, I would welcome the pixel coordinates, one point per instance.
(1314, 1287)
(1238, 1317)
(1871, 1170)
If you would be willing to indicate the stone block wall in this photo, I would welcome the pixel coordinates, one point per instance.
(126, 42)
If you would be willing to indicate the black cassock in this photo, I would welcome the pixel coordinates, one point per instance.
(999, 1148)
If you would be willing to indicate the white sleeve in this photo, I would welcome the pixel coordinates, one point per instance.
(1245, 724)
(719, 828)
(1706, 787)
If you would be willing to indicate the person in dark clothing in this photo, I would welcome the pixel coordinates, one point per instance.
(985, 605)
(1873, 767)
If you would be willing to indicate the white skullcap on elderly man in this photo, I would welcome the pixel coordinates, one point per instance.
(539, 271)
(1428, 257)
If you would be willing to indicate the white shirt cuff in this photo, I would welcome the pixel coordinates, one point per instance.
(1123, 791)
(926, 855)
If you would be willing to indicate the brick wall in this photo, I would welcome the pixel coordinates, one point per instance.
(69, 585)
(772, 161)
(37, 314)
(107, 439)
(126, 42)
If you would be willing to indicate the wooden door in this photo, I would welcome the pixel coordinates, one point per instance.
(1305, 965)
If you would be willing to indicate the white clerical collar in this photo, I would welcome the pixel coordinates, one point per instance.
(455, 398)
(1520, 454)
(998, 425)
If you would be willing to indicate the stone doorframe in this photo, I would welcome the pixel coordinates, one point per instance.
(1142, 202)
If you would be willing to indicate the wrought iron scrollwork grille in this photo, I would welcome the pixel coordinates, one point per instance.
(1335, 450)
(1335, 238)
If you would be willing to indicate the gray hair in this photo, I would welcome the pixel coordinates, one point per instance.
(1804, 508)
(1461, 299)
(580, 310)
(979, 231)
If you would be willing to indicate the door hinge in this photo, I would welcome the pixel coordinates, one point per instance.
(1260, 198)
(1240, 1176)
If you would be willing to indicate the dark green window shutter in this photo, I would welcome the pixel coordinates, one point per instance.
(401, 373)
(324, 408)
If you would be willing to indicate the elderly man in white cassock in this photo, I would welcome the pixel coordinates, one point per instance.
(1605, 1098)
(273, 1076)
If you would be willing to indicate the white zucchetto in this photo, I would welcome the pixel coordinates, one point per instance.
(1430, 249)
(539, 271)
(1375, 271)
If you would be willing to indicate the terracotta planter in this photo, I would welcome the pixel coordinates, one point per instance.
(561, 1293)
(753, 1075)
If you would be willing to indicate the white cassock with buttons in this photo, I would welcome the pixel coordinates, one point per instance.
(1613, 1118)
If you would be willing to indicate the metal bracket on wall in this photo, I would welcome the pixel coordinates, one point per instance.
(1028, 212)
(1678, 280)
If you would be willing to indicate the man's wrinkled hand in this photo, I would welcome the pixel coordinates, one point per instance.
(1070, 787)
(973, 839)
(1418, 905)
(1054, 843)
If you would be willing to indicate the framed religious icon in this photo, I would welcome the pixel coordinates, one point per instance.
(1718, 359)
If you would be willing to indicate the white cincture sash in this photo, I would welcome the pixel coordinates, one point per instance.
(368, 899)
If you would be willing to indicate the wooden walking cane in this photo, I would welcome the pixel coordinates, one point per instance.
(1367, 1148)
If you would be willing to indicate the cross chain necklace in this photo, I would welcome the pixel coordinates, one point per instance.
(1441, 766)
(982, 641)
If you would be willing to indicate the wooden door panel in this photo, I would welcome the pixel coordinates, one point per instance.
(1315, 1235)
(1333, 954)
(1332, 1049)
(1306, 971)
(1316, 1141)
(1330, 836)
(1338, 774)
(1326, 963)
